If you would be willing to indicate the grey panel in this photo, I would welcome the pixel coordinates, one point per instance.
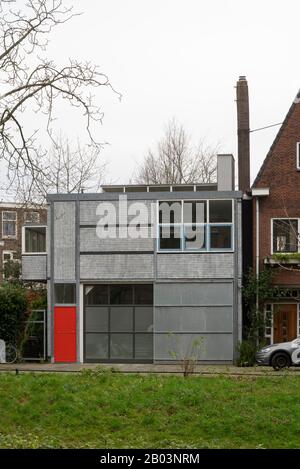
(121, 318)
(89, 241)
(48, 242)
(193, 294)
(96, 346)
(64, 241)
(116, 266)
(144, 346)
(96, 318)
(177, 346)
(190, 319)
(144, 318)
(34, 267)
(204, 265)
(225, 172)
(121, 346)
(91, 211)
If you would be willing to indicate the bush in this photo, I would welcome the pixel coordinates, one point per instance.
(13, 307)
(247, 350)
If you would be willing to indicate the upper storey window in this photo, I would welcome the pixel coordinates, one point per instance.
(285, 235)
(202, 225)
(9, 224)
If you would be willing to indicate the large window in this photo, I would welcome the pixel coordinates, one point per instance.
(202, 225)
(285, 235)
(34, 239)
(118, 322)
(9, 224)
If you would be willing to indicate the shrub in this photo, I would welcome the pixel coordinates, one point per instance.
(13, 307)
(246, 350)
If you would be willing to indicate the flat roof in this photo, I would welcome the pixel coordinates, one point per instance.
(195, 187)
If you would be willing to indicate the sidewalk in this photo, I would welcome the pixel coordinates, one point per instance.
(206, 370)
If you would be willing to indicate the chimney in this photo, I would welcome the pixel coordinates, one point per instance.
(243, 130)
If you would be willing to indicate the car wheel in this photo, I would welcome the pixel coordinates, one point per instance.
(280, 360)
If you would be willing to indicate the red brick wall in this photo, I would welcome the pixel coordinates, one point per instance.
(279, 173)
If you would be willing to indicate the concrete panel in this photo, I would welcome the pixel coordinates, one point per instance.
(204, 294)
(34, 267)
(204, 265)
(64, 241)
(116, 266)
(215, 347)
(89, 241)
(88, 211)
(190, 319)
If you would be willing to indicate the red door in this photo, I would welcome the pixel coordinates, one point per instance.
(65, 334)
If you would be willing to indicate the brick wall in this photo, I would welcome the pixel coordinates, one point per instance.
(279, 173)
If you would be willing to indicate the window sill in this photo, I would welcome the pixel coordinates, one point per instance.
(283, 261)
(34, 253)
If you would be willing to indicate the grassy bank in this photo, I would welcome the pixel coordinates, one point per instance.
(109, 410)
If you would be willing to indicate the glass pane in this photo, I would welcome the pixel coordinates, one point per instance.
(121, 346)
(285, 234)
(170, 237)
(96, 319)
(9, 228)
(35, 239)
(9, 216)
(194, 237)
(143, 294)
(144, 318)
(121, 318)
(170, 212)
(121, 294)
(64, 293)
(144, 346)
(220, 237)
(96, 346)
(96, 294)
(220, 211)
(194, 212)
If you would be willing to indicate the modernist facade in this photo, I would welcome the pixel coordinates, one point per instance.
(17, 222)
(127, 284)
(276, 227)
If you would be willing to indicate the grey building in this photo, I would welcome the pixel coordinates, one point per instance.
(140, 273)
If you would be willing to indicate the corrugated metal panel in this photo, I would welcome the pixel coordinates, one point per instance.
(210, 265)
(64, 241)
(116, 266)
(204, 294)
(89, 241)
(34, 267)
(88, 211)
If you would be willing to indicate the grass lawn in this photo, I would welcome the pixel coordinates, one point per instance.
(109, 410)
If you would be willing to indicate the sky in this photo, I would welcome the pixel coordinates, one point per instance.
(181, 59)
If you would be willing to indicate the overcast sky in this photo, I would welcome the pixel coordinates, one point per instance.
(175, 58)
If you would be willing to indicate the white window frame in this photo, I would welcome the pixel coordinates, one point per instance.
(208, 250)
(31, 211)
(11, 254)
(284, 218)
(298, 155)
(271, 337)
(15, 236)
(24, 243)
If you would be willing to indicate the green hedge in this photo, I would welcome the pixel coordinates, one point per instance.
(13, 308)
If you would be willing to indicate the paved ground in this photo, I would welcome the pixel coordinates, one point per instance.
(205, 370)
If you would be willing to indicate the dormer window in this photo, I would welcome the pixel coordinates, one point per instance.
(298, 155)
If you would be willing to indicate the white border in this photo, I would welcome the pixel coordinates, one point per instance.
(23, 240)
(298, 155)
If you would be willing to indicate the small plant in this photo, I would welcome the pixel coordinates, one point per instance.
(189, 356)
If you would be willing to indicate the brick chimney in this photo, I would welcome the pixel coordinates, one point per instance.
(243, 129)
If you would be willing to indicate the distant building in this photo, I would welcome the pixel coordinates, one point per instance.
(13, 220)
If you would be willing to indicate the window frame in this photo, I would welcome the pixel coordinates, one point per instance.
(298, 156)
(206, 250)
(272, 233)
(26, 227)
(15, 236)
(31, 211)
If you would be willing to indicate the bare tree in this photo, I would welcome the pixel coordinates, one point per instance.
(176, 161)
(64, 169)
(33, 83)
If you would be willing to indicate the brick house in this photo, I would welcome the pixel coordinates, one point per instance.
(13, 219)
(276, 226)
